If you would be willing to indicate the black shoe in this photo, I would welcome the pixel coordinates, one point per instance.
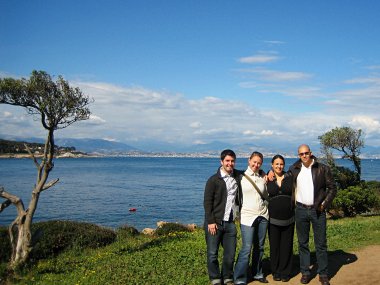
(261, 280)
(305, 279)
(276, 277)
(324, 280)
(285, 279)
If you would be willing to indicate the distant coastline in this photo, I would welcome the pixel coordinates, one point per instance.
(138, 154)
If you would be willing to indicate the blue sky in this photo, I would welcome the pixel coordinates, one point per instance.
(194, 72)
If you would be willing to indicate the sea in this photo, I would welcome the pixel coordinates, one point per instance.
(117, 191)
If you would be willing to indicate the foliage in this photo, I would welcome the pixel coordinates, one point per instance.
(345, 140)
(5, 245)
(356, 200)
(170, 228)
(53, 237)
(126, 231)
(7, 146)
(178, 259)
(58, 104)
(375, 186)
(344, 177)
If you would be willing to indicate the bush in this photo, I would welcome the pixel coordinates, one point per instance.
(5, 245)
(345, 177)
(52, 237)
(356, 200)
(126, 231)
(170, 228)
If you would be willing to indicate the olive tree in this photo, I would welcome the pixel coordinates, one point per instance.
(345, 140)
(57, 105)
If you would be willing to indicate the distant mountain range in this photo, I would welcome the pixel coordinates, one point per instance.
(111, 147)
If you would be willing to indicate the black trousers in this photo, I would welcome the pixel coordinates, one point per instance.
(281, 249)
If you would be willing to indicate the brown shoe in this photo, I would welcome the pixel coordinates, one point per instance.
(324, 280)
(305, 279)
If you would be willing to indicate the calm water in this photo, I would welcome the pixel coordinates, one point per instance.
(102, 190)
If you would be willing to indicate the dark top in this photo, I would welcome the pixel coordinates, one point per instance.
(323, 181)
(281, 210)
(215, 197)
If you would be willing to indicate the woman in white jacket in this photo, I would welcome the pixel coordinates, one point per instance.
(254, 221)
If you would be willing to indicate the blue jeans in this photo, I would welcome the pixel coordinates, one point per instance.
(226, 236)
(305, 217)
(253, 235)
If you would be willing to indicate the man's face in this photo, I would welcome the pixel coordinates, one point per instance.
(304, 154)
(228, 164)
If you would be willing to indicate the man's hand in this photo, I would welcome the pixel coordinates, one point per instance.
(321, 207)
(212, 228)
(270, 175)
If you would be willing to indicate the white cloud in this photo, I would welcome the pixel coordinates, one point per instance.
(96, 119)
(368, 124)
(260, 58)
(7, 114)
(292, 114)
(276, 76)
(195, 125)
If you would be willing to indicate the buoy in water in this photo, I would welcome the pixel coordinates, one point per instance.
(132, 209)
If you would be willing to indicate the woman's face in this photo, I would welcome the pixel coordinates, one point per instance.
(255, 163)
(278, 166)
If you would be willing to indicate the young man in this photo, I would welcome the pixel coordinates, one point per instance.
(314, 191)
(221, 200)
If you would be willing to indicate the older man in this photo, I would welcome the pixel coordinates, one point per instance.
(314, 191)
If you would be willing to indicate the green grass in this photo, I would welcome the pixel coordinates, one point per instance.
(178, 258)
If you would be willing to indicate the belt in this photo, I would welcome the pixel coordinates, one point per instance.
(304, 206)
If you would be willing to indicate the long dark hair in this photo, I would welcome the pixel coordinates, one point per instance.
(278, 156)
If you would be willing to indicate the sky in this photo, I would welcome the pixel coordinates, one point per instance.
(196, 72)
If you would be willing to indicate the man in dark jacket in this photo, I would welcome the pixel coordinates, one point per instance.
(314, 191)
(221, 201)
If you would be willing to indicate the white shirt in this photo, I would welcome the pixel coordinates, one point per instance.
(305, 186)
(253, 205)
(232, 187)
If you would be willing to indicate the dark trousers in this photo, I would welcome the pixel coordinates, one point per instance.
(305, 218)
(225, 236)
(281, 249)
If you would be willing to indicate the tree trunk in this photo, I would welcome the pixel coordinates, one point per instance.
(21, 246)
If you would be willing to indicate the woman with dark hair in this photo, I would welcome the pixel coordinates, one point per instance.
(281, 221)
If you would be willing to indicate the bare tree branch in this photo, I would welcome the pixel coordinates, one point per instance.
(32, 156)
(5, 205)
(50, 184)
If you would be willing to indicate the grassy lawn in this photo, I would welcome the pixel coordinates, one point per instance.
(174, 259)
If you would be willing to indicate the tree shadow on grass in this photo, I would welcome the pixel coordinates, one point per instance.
(336, 260)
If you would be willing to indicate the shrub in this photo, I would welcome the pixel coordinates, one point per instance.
(52, 237)
(127, 231)
(169, 228)
(356, 200)
(345, 177)
(5, 245)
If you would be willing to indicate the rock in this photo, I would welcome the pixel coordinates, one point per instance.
(148, 231)
(161, 223)
(191, 227)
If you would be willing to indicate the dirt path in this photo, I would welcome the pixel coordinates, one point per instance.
(352, 268)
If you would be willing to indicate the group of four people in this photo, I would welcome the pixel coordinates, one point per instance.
(276, 202)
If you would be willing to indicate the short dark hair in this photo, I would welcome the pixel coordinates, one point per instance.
(256, 153)
(278, 156)
(226, 152)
